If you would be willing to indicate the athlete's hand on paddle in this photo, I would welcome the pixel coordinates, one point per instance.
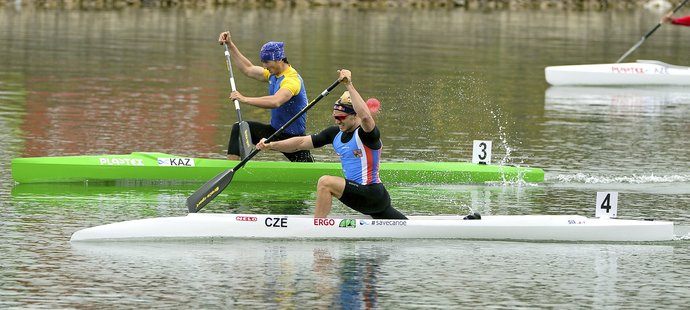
(235, 95)
(263, 145)
(345, 76)
(224, 37)
(666, 18)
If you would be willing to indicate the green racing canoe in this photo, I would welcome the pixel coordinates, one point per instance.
(150, 166)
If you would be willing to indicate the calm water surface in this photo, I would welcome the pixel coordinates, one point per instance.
(89, 82)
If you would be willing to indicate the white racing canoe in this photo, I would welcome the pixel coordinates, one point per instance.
(509, 227)
(642, 72)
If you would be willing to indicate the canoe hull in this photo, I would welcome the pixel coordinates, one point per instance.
(166, 167)
(521, 227)
(643, 72)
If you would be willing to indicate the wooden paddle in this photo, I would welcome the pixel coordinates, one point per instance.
(648, 34)
(212, 188)
(245, 135)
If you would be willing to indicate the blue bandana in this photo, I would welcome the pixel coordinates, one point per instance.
(272, 51)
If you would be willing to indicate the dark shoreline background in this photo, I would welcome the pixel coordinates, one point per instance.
(373, 4)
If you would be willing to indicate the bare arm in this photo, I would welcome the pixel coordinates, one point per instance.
(291, 145)
(266, 102)
(246, 66)
(358, 103)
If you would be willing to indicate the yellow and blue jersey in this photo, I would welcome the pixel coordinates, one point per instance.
(293, 82)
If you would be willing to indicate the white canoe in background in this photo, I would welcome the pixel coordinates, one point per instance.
(509, 227)
(642, 72)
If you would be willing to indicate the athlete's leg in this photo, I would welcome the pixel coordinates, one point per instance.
(257, 130)
(233, 143)
(300, 156)
(327, 188)
(389, 214)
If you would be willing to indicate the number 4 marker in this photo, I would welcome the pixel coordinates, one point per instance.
(607, 205)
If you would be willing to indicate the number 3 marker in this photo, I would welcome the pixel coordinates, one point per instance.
(481, 152)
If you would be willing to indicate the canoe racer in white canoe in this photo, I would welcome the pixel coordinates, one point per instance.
(356, 140)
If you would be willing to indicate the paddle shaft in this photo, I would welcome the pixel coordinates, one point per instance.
(212, 188)
(648, 34)
(289, 122)
(232, 80)
(244, 134)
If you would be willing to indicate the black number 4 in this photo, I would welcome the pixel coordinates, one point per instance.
(606, 204)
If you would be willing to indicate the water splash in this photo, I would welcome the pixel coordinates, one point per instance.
(681, 237)
(629, 179)
(457, 111)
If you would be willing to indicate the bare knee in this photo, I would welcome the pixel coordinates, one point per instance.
(325, 183)
(331, 184)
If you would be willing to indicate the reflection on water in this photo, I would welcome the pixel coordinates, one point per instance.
(254, 273)
(116, 202)
(275, 198)
(592, 120)
(368, 274)
(12, 110)
(646, 100)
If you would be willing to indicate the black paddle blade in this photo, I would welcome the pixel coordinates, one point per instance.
(245, 140)
(208, 191)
